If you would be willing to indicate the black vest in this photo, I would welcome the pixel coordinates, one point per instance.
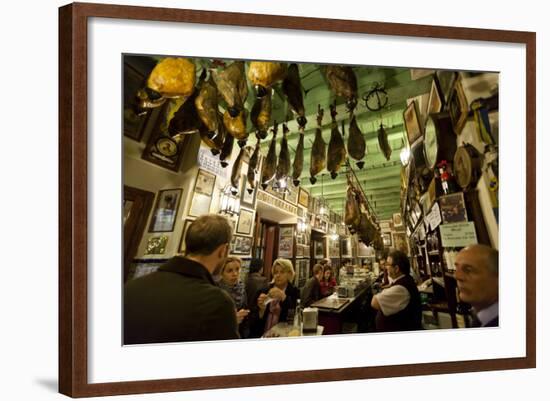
(409, 318)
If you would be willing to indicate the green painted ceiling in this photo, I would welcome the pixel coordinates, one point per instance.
(380, 178)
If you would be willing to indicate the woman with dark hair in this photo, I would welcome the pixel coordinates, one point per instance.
(328, 282)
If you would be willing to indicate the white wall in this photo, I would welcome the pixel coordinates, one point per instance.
(28, 296)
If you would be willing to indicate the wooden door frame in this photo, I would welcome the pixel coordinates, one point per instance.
(145, 200)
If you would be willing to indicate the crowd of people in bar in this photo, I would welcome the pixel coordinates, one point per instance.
(200, 296)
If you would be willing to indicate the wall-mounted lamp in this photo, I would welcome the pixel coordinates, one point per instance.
(405, 156)
(230, 204)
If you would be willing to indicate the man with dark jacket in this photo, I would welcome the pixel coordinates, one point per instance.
(255, 281)
(180, 301)
(398, 306)
(312, 289)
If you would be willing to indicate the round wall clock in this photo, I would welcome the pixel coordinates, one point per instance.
(439, 139)
(467, 166)
(167, 146)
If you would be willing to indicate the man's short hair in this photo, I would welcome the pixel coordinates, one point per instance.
(400, 259)
(206, 234)
(255, 265)
(317, 268)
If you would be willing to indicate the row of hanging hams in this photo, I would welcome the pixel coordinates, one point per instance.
(214, 107)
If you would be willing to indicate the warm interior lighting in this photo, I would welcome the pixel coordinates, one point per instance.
(405, 155)
(229, 204)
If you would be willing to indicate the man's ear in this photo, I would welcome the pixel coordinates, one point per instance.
(221, 250)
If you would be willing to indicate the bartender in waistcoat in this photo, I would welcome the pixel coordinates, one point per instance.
(398, 306)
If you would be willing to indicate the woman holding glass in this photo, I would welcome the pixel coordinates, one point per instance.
(277, 302)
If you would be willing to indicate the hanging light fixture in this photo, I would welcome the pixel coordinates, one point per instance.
(230, 204)
(280, 185)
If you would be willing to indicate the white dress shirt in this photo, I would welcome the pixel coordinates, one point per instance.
(488, 314)
(393, 299)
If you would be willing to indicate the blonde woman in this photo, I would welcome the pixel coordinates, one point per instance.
(229, 282)
(274, 302)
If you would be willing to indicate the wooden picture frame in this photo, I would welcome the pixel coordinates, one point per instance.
(453, 208)
(158, 140)
(240, 245)
(458, 106)
(204, 183)
(411, 117)
(164, 214)
(303, 198)
(75, 223)
(292, 195)
(181, 246)
(435, 101)
(199, 205)
(245, 223)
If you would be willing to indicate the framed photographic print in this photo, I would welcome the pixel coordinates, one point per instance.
(246, 222)
(303, 197)
(397, 220)
(434, 101)
(166, 209)
(95, 38)
(453, 208)
(346, 247)
(161, 149)
(181, 247)
(412, 122)
(248, 195)
(292, 194)
(386, 239)
(458, 106)
(286, 242)
(204, 184)
(240, 245)
(156, 245)
(200, 204)
(319, 249)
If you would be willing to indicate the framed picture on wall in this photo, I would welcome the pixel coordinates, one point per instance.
(166, 209)
(200, 204)
(386, 239)
(240, 245)
(435, 103)
(319, 249)
(186, 224)
(397, 220)
(161, 149)
(412, 122)
(204, 184)
(292, 194)
(246, 222)
(458, 106)
(453, 208)
(303, 197)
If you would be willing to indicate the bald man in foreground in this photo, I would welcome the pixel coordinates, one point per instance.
(477, 280)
